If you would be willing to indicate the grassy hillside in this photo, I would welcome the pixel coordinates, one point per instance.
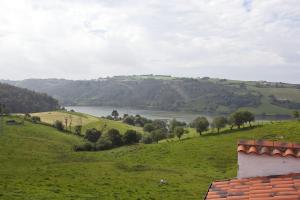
(87, 121)
(206, 95)
(37, 162)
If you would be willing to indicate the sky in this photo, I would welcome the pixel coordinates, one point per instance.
(87, 39)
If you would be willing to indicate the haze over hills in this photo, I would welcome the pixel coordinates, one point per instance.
(206, 95)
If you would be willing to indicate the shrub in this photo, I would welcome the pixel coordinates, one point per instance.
(78, 129)
(157, 135)
(148, 127)
(129, 120)
(147, 139)
(35, 119)
(92, 135)
(200, 124)
(115, 137)
(59, 125)
(104, 143)
(179, 131)
(84, 147)
(131, 137)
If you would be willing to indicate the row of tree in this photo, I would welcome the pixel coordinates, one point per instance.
(238, 119)
(96, 140)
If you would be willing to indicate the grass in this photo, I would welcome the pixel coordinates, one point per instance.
(37, 162)
(87, 121)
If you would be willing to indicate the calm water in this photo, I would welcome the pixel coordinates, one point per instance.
(100, 111)
(150, 114)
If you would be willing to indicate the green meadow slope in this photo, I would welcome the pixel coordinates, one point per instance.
(37, 162)
(87, 121)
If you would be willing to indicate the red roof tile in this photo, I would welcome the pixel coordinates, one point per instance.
(259, 188)
(271, 148)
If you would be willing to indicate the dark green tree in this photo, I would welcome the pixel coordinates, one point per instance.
(78, 129)
(248, 117)
(200, 124)
(92, 135)
(59, 125)
(115, 114)
(296, 114)
(179, 131)
(131, 137)
(115, 137)
(219, 122)
(149, 127)
(237, 119)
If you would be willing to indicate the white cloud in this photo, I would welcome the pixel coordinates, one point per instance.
(240, 39)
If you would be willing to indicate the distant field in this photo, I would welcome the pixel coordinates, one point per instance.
(37, 162)
(87, 121)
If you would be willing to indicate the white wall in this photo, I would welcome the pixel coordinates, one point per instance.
(251, 165)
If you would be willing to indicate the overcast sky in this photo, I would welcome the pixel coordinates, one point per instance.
(85, 39)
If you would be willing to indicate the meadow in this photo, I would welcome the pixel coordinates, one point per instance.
(87, 121)
(37, 162)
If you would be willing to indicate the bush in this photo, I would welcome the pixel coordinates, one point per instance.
(131, 137)
(157, 135)
(148, 127)
(104, 143)
(35, 119)
(84, 147)
(78, 129)
(147, 139)
(129, 120)
(115, 137)
(59, 125)
(92, 135)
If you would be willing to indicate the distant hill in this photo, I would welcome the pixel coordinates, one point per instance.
(20, 100)
(204, 95)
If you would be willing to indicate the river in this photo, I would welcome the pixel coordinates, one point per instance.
(100, 111)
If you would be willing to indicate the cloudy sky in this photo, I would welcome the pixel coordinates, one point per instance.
(84, 39)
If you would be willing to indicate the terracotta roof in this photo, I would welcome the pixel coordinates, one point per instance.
(282, 187)
(271, 148)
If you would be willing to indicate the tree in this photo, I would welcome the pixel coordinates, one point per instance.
(92, 135)
(148, 127)
(157, 135)
(296, 114)
(179, 131)
(129, 120)
(174, 123)
(131, 137)
(115, 137)
(237, 119)
(35, 119)
(248, 117)
(147, 138)
(115, 114)
(78, 129)
(59, 125)
(160, 124)
(200, 124)
(104, 143)
(219, 122)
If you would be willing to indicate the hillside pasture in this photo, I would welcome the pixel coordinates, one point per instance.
(37, 162)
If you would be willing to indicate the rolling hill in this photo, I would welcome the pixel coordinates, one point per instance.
(205, 95)
(87, 121)
(37, 162)
(20, 100)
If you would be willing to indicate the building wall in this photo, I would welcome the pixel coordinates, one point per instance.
(251, 165)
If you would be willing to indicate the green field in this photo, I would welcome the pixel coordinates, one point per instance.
(87, 121)
(37, 162)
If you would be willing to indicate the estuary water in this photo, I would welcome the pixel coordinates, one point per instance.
(100, 111)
